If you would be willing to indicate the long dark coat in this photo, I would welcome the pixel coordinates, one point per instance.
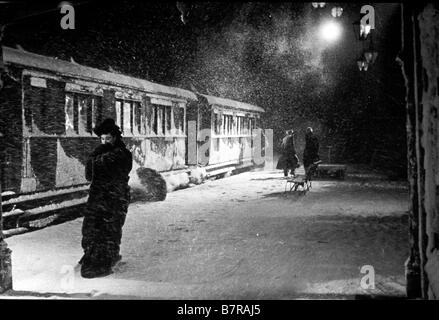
(108, 169)
(288, 158)
(311, 151)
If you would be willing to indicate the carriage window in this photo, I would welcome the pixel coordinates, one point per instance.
(163, 119)
(82, 111)
(96, 113)
(225, 125)
(179, 120)
(155, 119)
(119, 114)
(168, 120)
(127, 117)
(69, 114)
(216, 123)
(159, 119)
(229, 125)
(252, 124)
(137, 119)
(143, 122)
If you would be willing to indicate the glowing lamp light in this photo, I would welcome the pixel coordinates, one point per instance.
(364, 31)
(330, 31)
(318, 4)
(362, 64)
(370, 56)
(337, 12)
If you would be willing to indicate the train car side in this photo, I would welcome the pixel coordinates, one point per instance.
(230, 126)
(52, 107)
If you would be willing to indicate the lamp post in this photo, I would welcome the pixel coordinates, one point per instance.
(368, 55)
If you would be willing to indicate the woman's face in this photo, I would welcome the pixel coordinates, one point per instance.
(108, 138)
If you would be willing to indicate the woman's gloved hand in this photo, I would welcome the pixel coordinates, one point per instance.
(102, 148)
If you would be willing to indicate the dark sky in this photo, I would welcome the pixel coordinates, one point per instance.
(262, 53)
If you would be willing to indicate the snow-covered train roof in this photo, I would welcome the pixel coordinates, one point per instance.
(231, 103)
(63, 67)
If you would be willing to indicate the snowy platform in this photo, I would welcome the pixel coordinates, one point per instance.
(240, 237)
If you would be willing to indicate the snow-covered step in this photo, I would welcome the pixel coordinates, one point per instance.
(220, 171)
(15, 231)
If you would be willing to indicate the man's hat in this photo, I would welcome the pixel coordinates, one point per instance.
(106, 127)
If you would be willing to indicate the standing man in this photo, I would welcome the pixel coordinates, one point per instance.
(311, 152)
(108, 169)
(288, 160)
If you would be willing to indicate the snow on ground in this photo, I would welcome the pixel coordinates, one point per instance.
(240, 237)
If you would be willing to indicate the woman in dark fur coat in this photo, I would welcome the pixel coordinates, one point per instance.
(288, 160)
(108, 169)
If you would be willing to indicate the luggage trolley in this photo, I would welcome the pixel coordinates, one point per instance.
(302, 181)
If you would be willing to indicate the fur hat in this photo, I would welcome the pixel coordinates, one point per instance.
(107, 126)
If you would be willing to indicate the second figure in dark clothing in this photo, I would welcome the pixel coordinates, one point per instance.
(311, 151)
(108, 169)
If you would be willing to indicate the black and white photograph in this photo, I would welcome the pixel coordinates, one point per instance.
(219, 151)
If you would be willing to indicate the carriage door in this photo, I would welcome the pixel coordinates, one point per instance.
(191, 133)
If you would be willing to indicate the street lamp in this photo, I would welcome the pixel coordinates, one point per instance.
(362, 64)
(368, 54)
(361, 31)
(330, 31)
(336, 12)
(318, 4)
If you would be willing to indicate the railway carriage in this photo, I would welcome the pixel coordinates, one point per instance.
(229, 126)
(50, 106)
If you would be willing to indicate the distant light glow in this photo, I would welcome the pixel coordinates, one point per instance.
(330, 31)
(318, 4)
(64, 3)
(364, 31)
(336, 12)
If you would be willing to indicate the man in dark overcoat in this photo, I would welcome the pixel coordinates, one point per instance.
(288, 160)
(108, 168)
(311, 151)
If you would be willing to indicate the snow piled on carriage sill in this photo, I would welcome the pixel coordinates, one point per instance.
(150, 185)
(184, 179)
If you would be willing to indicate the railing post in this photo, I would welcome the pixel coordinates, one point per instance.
(5, 252)
(5, 257)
